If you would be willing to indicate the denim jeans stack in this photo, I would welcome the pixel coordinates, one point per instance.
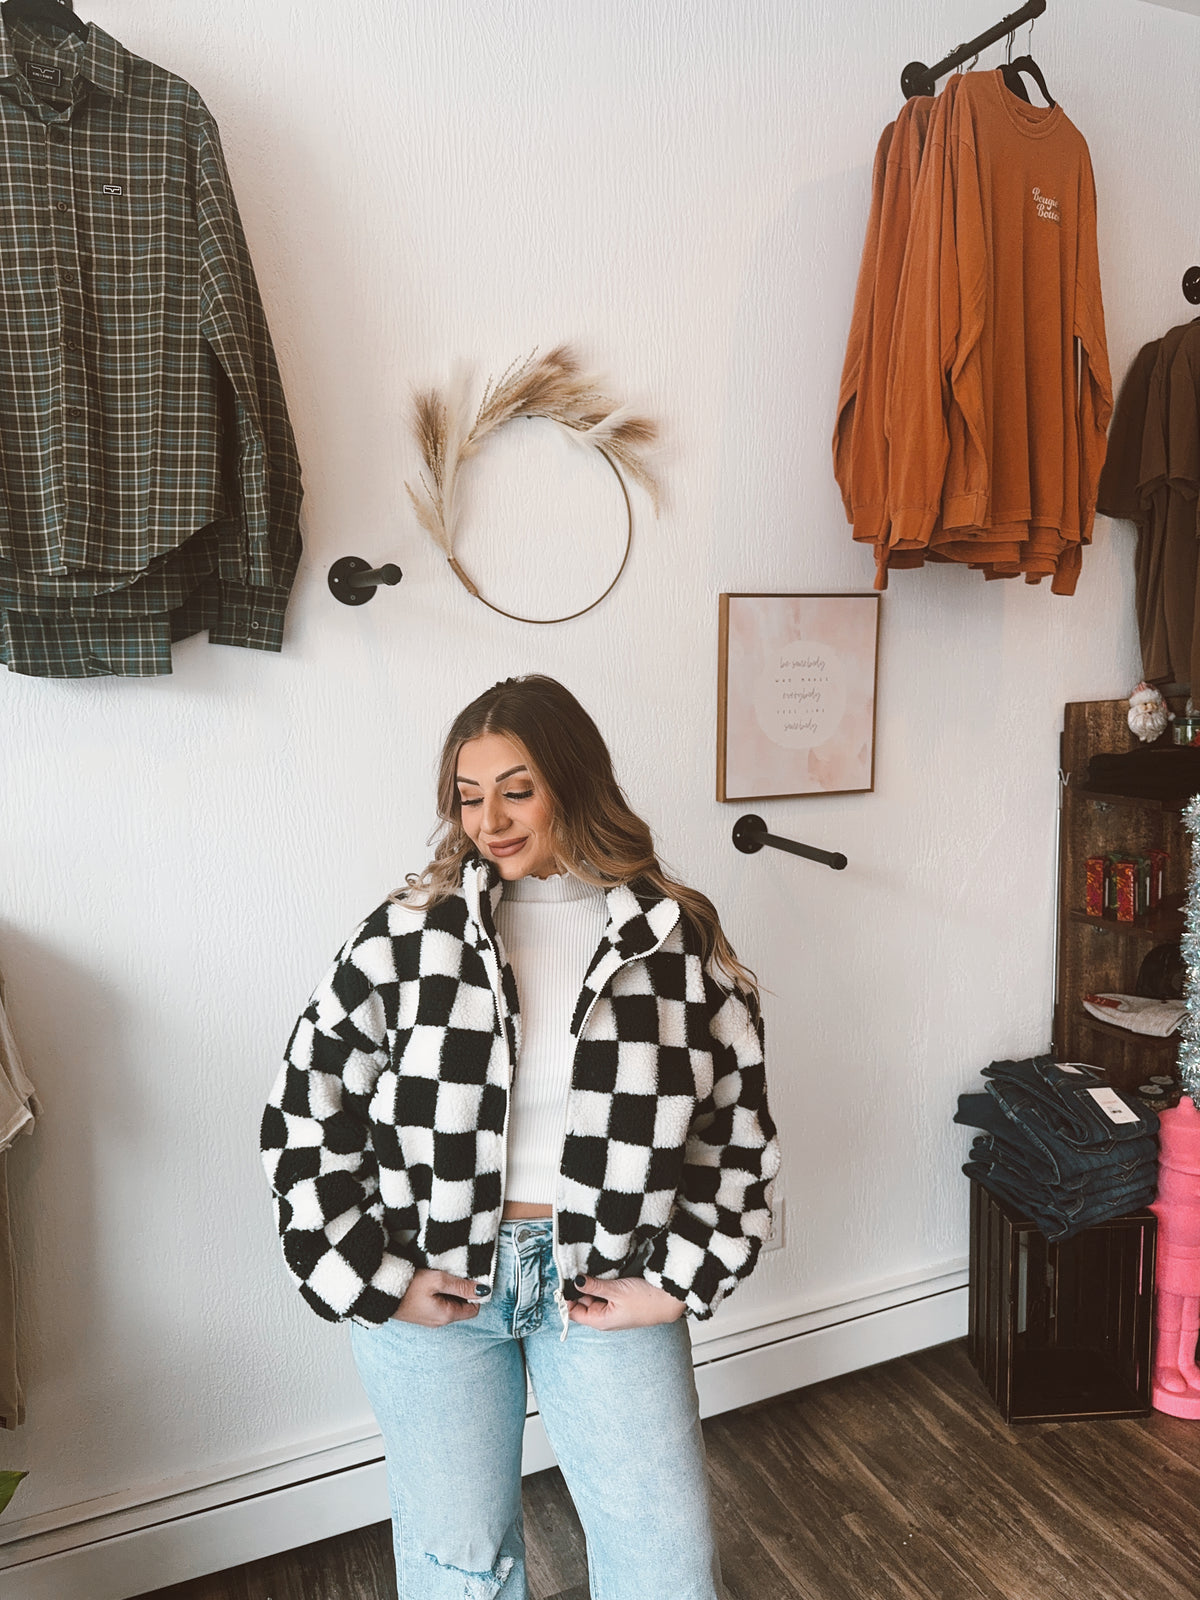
(1059, 1146)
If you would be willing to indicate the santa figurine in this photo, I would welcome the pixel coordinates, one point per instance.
(1148, 713)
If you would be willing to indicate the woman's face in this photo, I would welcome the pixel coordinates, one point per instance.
(505, 810)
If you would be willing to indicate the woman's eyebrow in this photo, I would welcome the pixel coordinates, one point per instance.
(500, 779)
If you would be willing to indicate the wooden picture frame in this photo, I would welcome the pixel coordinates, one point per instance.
(797, 677)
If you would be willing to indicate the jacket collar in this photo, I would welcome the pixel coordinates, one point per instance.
(482, 887)
(637, 925)
(637, 922)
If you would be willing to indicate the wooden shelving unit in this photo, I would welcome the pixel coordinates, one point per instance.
(1167, 1048)
(1094, 953)
(1161, 926)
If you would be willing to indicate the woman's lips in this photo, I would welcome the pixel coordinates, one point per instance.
(508, 847)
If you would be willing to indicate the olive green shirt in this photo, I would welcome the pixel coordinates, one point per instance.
(149, 485)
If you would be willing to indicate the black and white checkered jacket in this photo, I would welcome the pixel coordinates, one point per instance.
(384, 1137)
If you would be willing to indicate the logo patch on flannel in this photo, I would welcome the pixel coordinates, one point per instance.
(113, 188)
(1047, 209)
(47, 75)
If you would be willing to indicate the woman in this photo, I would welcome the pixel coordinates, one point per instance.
(522, 1128)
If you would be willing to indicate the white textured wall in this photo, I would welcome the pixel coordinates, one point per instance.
(681, 188)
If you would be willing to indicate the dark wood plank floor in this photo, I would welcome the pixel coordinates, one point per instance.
(899, 1483)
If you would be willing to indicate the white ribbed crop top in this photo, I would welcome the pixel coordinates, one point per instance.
(550, 928)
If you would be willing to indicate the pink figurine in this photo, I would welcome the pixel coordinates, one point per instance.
(1176, 1385)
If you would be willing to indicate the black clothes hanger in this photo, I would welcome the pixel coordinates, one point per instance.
(1011, 71)
(50, 12)
(1012, 76)
(1014, 82)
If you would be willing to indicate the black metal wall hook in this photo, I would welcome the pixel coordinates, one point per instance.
(1191, 286)
(917, 78)
(750, 834)
(353, 581)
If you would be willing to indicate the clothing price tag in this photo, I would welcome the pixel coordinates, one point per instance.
(1113, 1107)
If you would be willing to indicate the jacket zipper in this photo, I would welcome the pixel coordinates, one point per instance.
(560, 1299)
(497, 983)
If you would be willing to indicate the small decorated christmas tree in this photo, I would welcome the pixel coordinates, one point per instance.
(1189, 1047)
(1175, 1387)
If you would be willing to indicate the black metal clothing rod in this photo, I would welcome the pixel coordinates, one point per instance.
(917, 78)
(354, 581)
(831, 858)
(750, 834)
(374, 576)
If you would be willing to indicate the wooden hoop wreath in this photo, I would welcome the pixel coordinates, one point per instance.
(553, 387)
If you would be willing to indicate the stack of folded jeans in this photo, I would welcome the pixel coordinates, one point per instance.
(1060, 1146)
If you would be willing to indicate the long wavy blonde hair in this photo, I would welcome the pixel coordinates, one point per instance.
(595, 833)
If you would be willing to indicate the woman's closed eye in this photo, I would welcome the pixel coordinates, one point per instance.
(509, 794)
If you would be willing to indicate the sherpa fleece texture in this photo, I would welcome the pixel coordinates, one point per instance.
(384, 1137)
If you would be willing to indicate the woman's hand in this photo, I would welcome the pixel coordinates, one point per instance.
(435, 1298)
(623, 1303)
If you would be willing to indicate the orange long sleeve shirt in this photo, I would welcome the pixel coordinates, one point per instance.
(859, 443)
(860, 320)
(998, 392)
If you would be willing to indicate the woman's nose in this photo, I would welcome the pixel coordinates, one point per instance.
(495, 815)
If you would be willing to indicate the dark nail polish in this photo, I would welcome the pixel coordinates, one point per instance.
(482, 1290)
(580, 1279)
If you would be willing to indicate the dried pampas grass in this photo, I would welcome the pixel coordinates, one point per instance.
(553, 386)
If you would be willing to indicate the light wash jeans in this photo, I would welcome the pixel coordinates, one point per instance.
(620, 1411)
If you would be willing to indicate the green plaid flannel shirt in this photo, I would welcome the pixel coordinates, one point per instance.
(149, 485)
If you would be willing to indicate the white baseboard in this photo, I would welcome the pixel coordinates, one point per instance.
(108, 1551)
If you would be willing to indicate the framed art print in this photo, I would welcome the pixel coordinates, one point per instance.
(796, 695)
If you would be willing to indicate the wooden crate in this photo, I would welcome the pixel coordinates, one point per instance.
(1061, 1331)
